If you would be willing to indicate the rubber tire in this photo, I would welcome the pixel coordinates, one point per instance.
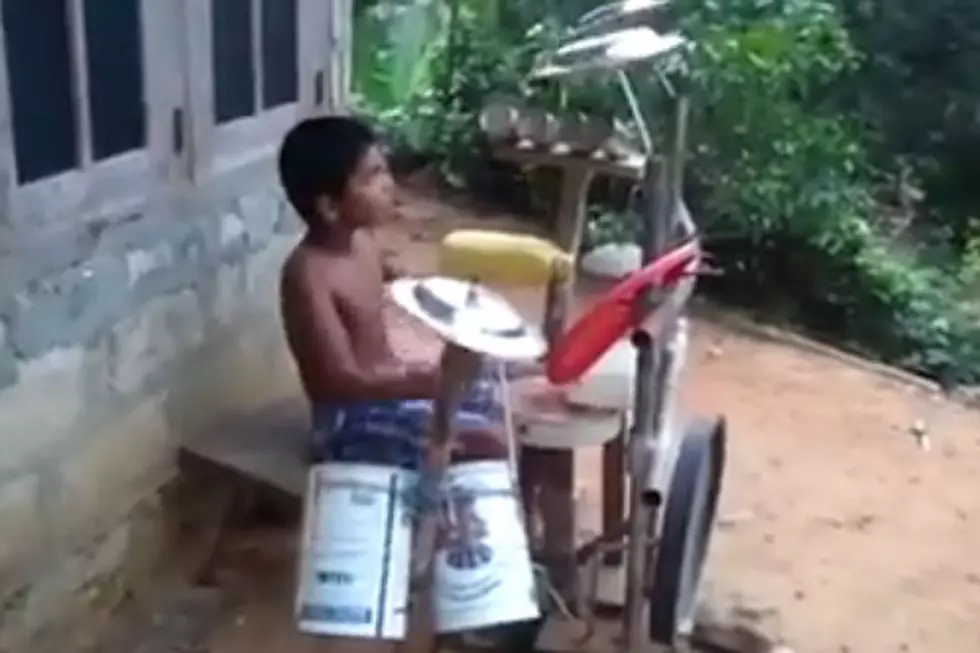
(688, 522)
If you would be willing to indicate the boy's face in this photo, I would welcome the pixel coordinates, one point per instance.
(370, 195)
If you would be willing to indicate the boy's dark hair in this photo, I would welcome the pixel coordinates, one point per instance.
(318, 157)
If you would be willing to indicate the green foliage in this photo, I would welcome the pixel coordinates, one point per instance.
(784, 181)
(798, 105)
(918, 86)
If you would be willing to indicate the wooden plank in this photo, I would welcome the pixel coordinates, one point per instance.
(269, 447)
(630, 168)
(614, 489)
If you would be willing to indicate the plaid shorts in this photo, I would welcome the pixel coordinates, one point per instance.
(393, 432)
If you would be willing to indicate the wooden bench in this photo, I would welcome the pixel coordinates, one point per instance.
(269, 447)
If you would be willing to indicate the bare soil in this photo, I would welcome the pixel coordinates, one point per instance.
(838, 532)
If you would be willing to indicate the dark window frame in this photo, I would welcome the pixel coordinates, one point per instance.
(117, 181)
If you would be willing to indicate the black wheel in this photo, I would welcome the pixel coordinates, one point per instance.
(688, 520)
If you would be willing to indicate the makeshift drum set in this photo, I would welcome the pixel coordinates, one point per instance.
(482, 576)
(360, 531)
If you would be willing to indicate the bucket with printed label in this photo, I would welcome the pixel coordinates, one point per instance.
(483, 575)
(355, 552)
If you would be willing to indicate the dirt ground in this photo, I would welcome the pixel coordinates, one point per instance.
(838, 533)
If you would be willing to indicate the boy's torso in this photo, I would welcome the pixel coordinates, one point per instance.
(352, 280)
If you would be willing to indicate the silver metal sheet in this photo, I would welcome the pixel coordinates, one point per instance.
(611, 51)
(616, 10)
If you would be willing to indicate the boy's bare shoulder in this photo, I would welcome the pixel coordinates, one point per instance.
(384, 255)
(307, 270)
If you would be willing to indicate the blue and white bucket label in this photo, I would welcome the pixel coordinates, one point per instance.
(483, 573)
(356, 548)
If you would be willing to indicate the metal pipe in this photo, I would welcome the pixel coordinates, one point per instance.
(674, 354)
(654, 368)
(642, 457)
(633, 100)
(677, 161)
(667, 342)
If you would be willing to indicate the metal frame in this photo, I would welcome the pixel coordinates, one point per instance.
(661, 349)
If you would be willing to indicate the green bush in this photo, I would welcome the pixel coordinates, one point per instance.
(782, 182)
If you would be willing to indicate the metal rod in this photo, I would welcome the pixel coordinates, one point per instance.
(633, 100)
(672, 365)
(654, 369)
(641, 457)
(667, 343)
(665, 83)
(555, 309)
(678, 156)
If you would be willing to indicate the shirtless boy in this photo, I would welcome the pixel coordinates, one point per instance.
(368, 405)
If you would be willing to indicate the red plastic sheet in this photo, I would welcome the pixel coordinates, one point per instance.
(615, 315)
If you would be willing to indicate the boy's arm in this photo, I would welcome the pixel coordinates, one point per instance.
(341, 377)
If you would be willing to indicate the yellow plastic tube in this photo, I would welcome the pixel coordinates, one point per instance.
(497, 257)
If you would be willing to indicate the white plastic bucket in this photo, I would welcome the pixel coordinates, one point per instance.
(610, 381)
(355, 552)
(483, 575)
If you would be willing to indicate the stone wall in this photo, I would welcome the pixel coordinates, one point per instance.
(117, 341)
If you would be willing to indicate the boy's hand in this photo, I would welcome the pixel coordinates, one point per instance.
(392, 269)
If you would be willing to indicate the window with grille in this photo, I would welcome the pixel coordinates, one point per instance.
(255, 68)
(104, 102)
(75, 94)
(254, 50)
(79, 65)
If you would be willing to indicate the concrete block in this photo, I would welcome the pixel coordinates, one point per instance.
(230, 293)
(231, 233)
(250, 287)
(196, 247)
(151, 246)
(95, 484)
(8, 362)
(243, 369)
(143, 262)
(21, 527)
(36, 258)
(67, 308)
(260, 212)
(264, 269)
(45, 407)
(147, 344)
(65, 587)
(289, 222)
(63, 609)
